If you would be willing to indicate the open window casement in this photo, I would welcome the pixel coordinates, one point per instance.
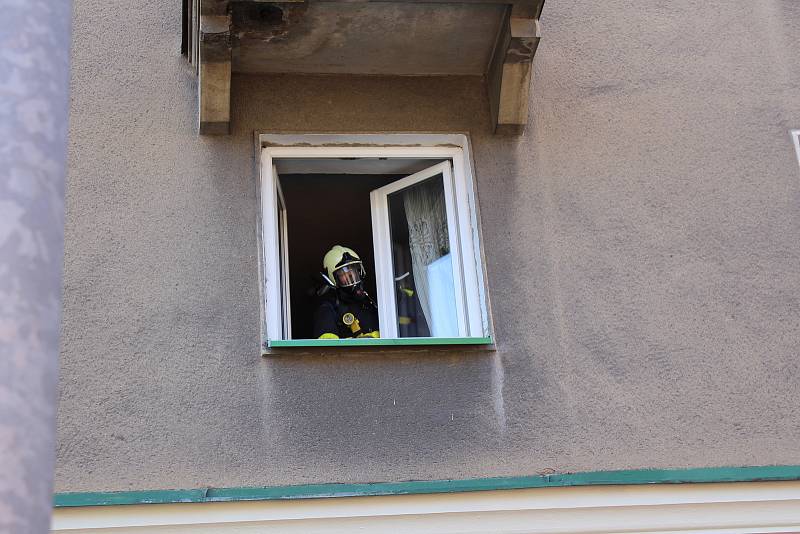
(275, 245)
(426, 200)
(283, 249)
(427, 269)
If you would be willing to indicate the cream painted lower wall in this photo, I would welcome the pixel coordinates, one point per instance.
(749, 507)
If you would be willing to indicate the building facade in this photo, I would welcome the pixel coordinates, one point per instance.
(637, 281)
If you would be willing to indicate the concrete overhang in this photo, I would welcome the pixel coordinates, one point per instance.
(496, 39)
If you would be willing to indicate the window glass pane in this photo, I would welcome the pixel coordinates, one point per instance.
(422, 264)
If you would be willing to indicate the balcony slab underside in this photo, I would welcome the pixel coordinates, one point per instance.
(492, 39)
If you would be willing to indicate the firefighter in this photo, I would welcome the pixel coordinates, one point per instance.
(345, 309)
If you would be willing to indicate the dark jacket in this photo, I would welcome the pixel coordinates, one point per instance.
(331, 316)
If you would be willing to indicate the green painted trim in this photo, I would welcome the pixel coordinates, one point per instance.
(380, 342)
(317, 491)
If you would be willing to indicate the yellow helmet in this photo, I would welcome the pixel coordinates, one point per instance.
(343, 266)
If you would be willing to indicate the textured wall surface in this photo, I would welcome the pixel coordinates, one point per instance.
(641, 242)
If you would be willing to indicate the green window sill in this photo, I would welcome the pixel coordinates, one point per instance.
(372, 342)
(422, 487)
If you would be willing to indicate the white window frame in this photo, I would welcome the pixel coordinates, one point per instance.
(452, 147)
(796, 140)
(283, 233)
(384, 273)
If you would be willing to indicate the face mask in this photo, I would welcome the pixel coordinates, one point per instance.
(348, 276)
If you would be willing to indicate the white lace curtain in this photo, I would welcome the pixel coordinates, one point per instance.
(429, 242)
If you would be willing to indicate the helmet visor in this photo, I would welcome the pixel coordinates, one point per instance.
(349, 275)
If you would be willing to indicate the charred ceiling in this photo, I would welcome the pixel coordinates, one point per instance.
(495, 39)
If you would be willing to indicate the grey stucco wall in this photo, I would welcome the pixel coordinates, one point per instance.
(641, 242)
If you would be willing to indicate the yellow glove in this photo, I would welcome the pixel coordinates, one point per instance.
(328, 335)
(374, 333)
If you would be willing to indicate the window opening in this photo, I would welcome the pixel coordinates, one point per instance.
(328, 209)
(411, 220)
